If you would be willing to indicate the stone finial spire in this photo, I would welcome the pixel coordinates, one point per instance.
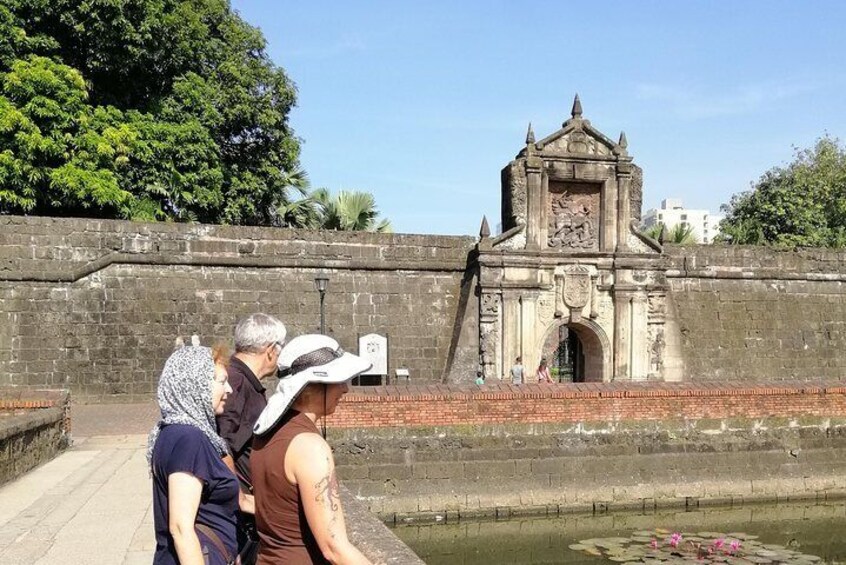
(485, 230)
(576, 112)
(530, 135)
(624, 143)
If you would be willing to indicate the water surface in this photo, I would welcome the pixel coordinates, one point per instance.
(818, 529)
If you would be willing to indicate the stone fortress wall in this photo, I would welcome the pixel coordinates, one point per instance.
(95, 305)
(756, 313)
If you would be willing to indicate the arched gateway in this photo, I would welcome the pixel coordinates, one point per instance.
(577, 352)
(571, 278)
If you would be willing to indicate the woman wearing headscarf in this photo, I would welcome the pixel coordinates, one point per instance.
(195, 495)
(298, 506)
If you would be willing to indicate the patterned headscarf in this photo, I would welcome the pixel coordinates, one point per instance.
(185, 395)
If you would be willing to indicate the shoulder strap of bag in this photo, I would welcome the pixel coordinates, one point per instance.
(215, 539)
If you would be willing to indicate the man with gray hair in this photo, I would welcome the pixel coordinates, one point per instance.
(258, 340)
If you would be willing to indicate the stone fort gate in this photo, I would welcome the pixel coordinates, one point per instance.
(571, 278)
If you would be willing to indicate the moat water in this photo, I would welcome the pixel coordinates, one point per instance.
(815, 529)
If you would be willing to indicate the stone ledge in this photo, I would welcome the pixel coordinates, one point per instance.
(29, 419)
(34, 428)
(372, 537)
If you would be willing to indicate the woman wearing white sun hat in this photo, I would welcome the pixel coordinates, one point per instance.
(298, 508)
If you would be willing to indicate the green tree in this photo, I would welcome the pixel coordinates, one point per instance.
(143, 109)
(800, 205)
(53, 153)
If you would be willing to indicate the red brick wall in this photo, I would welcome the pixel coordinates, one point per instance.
(442, 405)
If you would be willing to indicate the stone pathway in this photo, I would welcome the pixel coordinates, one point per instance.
(92, 504)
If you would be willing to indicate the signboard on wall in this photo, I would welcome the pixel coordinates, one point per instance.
(374, 348)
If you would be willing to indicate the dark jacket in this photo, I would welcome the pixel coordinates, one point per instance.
(242, 409)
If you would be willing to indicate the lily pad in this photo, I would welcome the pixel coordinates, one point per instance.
(741, 536)
(578, 547)
(698, 548)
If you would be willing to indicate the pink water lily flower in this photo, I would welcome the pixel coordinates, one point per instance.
(735, 545)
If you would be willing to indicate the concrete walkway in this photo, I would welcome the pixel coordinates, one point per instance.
(93, 503)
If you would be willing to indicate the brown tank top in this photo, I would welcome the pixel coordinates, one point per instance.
(284, 534)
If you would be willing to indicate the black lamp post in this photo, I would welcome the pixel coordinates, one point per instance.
(321, 282)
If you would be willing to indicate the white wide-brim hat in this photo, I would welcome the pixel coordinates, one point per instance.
(310, 358)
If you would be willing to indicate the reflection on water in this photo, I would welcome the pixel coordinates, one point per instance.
(818, 529)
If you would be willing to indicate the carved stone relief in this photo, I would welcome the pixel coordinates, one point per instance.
(656, 354)
(490, 304)
(546, 309)
(577, 142)
(514, 200)
(657, 308)
(636, 193)
(573, 216)
(488, 340)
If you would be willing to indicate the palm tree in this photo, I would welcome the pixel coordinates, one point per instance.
(654, 231)
(350, 210)
(679, 234)
(302, 212)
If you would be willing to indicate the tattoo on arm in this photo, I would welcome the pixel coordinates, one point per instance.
(328, 491)
(329, 494)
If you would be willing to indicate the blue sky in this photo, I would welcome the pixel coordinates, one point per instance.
(423, 103)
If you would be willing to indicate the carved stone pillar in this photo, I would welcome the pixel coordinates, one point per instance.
(657, 317)
(609, 216)
(511, 331)
(594, 296)
(489, 334)
(528, 333)
(624, 179)
(535, 204)
(622, 334)
(639, 338)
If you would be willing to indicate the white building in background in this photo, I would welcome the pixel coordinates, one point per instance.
(672, 213)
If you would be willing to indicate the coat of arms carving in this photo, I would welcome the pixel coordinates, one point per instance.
(576, 290)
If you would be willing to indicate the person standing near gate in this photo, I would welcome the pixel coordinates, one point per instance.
(258, 341)
(543, 373)
(517, 372)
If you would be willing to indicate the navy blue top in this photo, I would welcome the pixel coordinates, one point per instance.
(185, 449)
